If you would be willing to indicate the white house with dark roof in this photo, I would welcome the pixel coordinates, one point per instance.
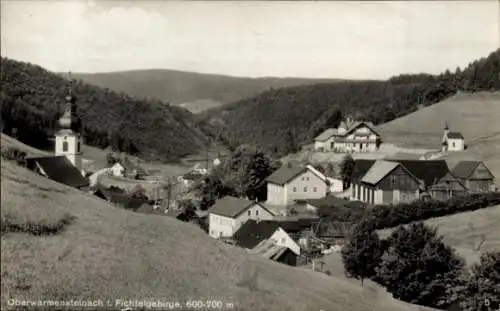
(291, 183)
(350, 136)
(452, 141)
(228, 214)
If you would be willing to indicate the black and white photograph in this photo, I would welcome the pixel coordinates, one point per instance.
(250, 155)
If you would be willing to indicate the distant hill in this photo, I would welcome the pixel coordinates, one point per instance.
(280, 119)
(31, 101)
(474, 115)
(70, 245)
(197, 91)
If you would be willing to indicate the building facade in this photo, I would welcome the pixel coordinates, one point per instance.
(289, 184)
(229, 214)
(349, 137)
(475, 176)
(386, 183)
(452, 141)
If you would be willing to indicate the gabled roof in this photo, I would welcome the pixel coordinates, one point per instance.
(252, 232)
(232, 207)
(326, 134)
(60, 169)
(455, 135)
(285, 174)
(269, 250)
(356, 124)
(428, 171)
(464, 169)
(379, 170)
(361, 167)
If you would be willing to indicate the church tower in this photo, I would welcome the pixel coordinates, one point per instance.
(68, 139)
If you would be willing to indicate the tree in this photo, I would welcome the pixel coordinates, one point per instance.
(483, 287)
(291, 145)
(361, 254)
(246, 170)
(418, 267)
(346, 169)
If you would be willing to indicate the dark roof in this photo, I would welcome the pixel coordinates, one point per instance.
(465, 168)
(284, 174)
(60, 169)
(251, 233)
(455, 135)
(429, 171)
(231, 206)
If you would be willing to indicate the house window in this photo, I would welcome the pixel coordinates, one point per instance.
(283, 240)
(257, 213)
(315, 189)
(307, 178)
(65, 146)
(249, 213)
(294, 189)
(305, 189)
(78, 148)
(453, 144)
(393, 180)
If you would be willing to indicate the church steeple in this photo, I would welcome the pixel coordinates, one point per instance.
(68, 139)
(69, 119)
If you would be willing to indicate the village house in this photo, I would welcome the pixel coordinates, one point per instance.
(291, 183)
(253, 232)
(452, 141)
(475, 176)
(394, 181)
(66, 165)
(351, 136)
(228, 214)
(448, 187)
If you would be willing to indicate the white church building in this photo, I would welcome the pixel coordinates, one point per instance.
(66, 164)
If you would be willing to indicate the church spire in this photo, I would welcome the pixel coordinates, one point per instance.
(69, 118)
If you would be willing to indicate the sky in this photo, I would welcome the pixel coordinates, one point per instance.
(320, 39)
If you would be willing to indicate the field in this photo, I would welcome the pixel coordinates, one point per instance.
(464, 231)
(71, 245)
(474, 115)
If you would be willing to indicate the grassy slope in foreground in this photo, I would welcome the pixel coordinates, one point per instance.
(474, 115)
(464, 230)
(108, 253)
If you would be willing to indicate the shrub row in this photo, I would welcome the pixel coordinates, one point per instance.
(14, 154)
(388, 216)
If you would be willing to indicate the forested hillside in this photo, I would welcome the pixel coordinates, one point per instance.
(31, 100)
(279, 119)
(195, 91)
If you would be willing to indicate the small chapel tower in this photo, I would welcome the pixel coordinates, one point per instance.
(68, 139)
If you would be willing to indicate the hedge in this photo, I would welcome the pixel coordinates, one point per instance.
(388, 216)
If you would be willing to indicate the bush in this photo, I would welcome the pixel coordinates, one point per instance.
(418, 267)
(387, 216)
(483, 287)
(14, 154)
(362, 251)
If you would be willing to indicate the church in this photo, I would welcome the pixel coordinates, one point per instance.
(65, 166)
